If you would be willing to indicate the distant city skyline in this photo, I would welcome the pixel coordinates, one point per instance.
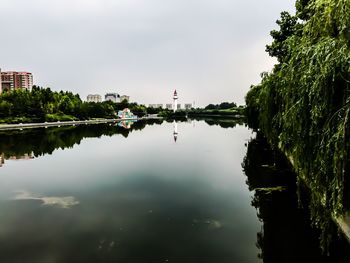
(210, 51)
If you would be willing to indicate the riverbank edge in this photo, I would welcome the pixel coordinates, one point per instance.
(343, 221)
(219, 116)
(66, 123)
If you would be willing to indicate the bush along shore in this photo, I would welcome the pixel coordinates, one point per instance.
(302, 106)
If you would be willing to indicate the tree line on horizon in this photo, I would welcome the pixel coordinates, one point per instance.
(43, 104)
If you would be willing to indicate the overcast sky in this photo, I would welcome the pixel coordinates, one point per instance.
(209, 50)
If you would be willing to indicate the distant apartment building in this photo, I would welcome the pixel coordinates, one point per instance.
(169, 106)
(155, 105)
(179, 106)
(114, 97)
(188, 106)
(124, 97)
(13, 80)
(94, 98)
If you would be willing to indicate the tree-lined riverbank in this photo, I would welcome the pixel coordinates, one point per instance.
(44, 105)
(302, 106)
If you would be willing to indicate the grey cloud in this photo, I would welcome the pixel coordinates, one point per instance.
(210, 50)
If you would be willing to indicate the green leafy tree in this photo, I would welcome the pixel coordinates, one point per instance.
(288, 26)
(303, 105)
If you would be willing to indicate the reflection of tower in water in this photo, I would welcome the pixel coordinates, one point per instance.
(175, 131)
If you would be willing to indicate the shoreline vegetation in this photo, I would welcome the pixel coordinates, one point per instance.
(59, 123)
(302, 106)
(41, 141)
(22, 142)
(44, 105)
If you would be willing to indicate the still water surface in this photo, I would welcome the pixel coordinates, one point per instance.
(102, 194)
(144, 198)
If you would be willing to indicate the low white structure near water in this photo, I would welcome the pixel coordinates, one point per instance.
(126, 114)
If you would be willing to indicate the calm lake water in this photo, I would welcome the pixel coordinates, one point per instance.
(154, 193)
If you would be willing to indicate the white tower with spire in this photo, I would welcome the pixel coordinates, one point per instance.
(175, 101)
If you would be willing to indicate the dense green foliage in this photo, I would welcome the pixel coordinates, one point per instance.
(43, 104)
(288, 27)
(303, 105)
(222, 110)
(221, 106)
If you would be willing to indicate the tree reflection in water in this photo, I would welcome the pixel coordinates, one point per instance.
(30, 143)
(283, 207)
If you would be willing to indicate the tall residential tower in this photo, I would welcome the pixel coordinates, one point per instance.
(13, 80)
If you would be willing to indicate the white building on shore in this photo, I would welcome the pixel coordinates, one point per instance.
(124, 97)
(188, 106)
(155, 106)
(94, 98)
(114, 97)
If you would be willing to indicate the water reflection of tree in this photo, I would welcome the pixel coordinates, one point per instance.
(43, 141)
(223, 122)
(286, 234)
